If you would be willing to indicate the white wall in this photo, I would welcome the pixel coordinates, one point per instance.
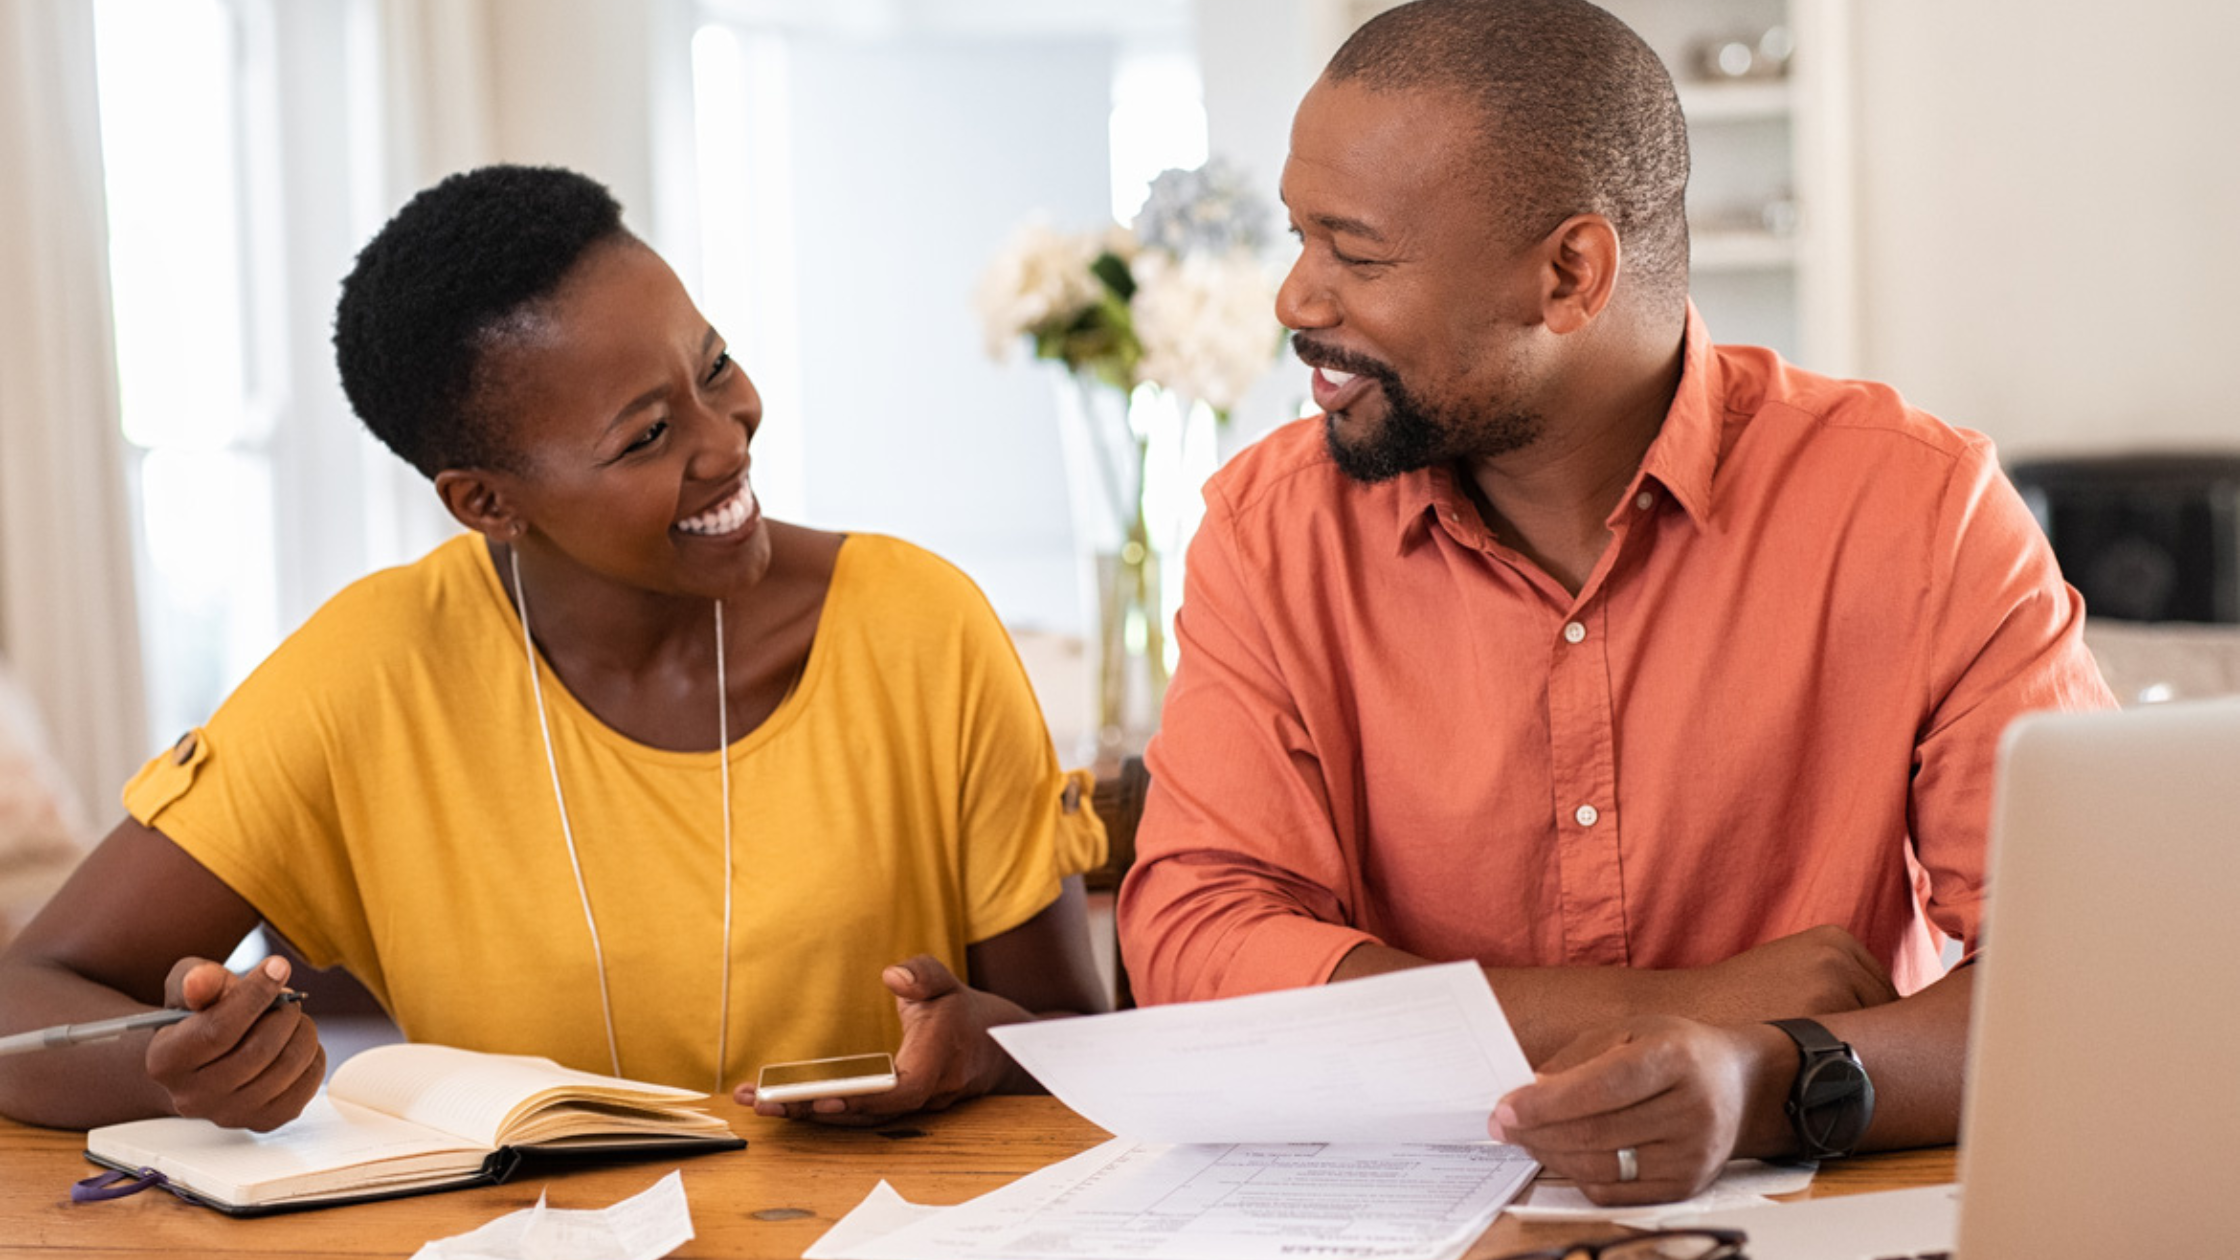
(1258, 57)
(2050, 217)
(913, 162)
(571, 82)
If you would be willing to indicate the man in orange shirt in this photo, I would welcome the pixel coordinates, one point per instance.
(1661, 678)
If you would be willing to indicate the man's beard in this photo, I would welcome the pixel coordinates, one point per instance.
(1416, 433)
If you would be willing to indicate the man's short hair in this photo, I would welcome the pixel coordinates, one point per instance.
(1577, 114)
(437, 283)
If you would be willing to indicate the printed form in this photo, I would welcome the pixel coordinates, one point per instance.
(1345, 1121)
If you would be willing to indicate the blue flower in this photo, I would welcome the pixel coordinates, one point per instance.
(1210, 210)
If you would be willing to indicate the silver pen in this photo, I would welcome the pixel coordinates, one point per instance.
(104, 1029)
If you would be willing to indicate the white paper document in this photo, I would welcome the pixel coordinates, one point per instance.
(1743, 1183)
(1344, 1122)
(882, 1212)
(1411, 1056)
(1346, 1201)
(645, 1226)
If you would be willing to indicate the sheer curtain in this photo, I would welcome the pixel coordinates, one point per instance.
(66, 585)
(432, 117)
(435, 91)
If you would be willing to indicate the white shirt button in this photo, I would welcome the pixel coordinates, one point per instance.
(1644, 500)
(1587, 814)
(1574, 632)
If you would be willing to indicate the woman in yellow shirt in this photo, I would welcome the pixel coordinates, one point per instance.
(628, 775)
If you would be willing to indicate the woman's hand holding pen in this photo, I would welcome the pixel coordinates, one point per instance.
(239, 1060)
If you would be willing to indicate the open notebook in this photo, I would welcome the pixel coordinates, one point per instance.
(406, 1119)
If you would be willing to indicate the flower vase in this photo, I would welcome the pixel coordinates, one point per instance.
(1130, 658)
(1124, 603)
(1180, 453)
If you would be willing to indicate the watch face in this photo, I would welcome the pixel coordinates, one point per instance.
(1833, 1103)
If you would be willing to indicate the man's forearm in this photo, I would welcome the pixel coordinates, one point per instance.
(1816, 973)
(1914, 1050)
(1546, 1006)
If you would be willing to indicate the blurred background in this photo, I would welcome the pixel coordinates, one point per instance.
(2024, 215)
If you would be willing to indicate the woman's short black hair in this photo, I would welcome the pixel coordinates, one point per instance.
(427, 293)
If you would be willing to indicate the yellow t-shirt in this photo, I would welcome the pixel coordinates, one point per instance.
(379, 791)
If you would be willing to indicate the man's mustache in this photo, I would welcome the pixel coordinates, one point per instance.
(1315, 354)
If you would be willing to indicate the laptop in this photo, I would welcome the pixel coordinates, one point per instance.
(2102, 1112)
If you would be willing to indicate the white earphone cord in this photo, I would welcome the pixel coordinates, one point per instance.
(723, 768)
(559, 799)
(567, 833)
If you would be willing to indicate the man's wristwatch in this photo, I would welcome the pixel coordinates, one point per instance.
(1832, 1102)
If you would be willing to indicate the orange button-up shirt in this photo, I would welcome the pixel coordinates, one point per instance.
(1775, 703)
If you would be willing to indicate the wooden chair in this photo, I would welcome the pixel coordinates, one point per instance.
(1118, 800)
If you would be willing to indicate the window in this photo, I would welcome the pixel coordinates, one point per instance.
(1158, 122)
(197, 376)
(240, 183)
(743, 161)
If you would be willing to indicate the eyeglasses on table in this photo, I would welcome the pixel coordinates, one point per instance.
(1663, 1244)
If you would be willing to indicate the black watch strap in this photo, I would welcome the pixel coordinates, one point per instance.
(1832, 1102)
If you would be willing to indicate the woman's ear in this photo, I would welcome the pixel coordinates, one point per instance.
(476, 501)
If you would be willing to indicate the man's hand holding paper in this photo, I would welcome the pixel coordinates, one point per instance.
(1350, 1118)
(1415, 1056)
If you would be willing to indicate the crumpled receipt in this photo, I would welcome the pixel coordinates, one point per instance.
(647, 1225)
(1743, 1183)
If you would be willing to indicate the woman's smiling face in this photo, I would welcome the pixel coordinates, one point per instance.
(629, 425)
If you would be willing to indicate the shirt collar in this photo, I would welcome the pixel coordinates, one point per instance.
(1683, 457)
(1428, 494)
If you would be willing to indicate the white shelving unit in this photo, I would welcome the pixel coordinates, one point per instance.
(1770, 200)
(1715, 251)
(1738, 101)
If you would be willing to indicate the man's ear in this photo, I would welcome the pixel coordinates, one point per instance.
(476, 500)
(1581, 271)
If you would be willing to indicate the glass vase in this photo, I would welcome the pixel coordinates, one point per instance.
(1136, 462)
(1129, 653)
(1123, 604)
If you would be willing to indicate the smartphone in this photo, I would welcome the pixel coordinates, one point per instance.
(843, 1077)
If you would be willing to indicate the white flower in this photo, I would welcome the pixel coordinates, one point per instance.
(1205, 322)
(1120, 242)
(1041, 275)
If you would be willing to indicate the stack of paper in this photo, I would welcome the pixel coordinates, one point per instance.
(1346, 1121)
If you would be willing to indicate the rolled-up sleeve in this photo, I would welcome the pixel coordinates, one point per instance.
(2006, 638)
(1240, 883)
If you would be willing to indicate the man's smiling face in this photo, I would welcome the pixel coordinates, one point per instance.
(1417, 312)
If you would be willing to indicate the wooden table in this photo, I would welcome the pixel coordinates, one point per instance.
(768, 1202)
